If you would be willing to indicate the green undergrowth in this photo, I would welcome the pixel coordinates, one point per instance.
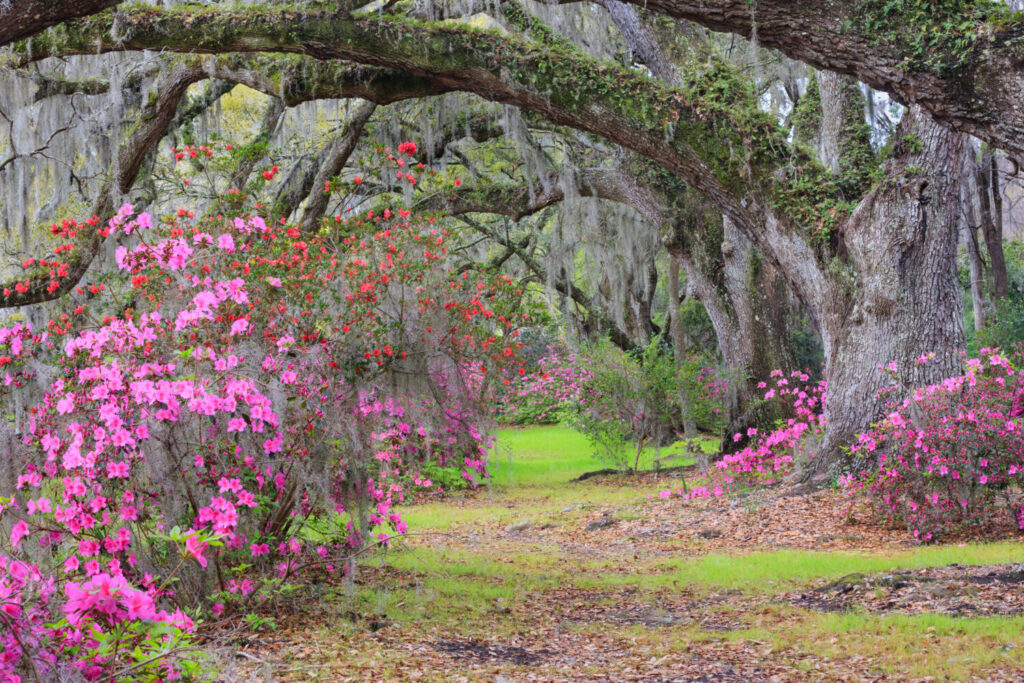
(463, 573)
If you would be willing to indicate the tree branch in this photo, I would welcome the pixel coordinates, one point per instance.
(710, 133)
(332, 161)
(38, 285)
(644, 116)
(959, 61)
(25, 18)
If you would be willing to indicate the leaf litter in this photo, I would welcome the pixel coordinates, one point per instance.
(597, 620)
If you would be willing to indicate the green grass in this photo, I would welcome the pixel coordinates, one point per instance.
(511, 566)
(943, 647)
(452, 586)
(457, 589)
(755, 573)
(531, 472)
(552, 455)
(769, 572)
(544, 455)
(506, 505)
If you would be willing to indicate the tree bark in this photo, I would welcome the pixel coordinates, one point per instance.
(969, 196)
(642, 41)
(25, 18)
(679, 348)
(830, 89)
(977, 275)
(754, 332)
(906, 300)
(991, 224)
(972, 84)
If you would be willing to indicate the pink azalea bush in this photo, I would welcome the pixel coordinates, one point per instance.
(558, 382)
(768, 457)
(254, 381)
(943, 455)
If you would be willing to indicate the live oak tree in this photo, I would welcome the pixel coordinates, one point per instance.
(870, 258)
(955, 58)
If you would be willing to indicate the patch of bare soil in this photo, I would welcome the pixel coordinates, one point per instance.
(585, 656)
(954, 590)
(482, 651)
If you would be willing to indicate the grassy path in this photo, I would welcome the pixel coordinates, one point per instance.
(539, 579)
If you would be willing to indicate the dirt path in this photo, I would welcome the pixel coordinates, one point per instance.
(518, 589)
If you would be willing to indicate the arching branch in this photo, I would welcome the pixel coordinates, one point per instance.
(666, 126)
(959, 61)
(38, 285)
(714, 137)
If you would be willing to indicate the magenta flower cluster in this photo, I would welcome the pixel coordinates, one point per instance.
(263, 380)
(946, 454)
(539, 397)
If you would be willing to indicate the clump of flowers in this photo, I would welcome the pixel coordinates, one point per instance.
(539, 397)
(768, 457)
(96, 627)
(948, 452)
(253, 381)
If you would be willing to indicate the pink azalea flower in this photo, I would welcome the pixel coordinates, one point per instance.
(19, 532)
(195, 548)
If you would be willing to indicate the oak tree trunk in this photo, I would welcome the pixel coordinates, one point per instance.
(992, 224)
(904, 299)
(679, 348)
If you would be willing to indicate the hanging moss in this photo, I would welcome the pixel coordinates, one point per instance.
(535, 28)
(715, 113)
(859, 166)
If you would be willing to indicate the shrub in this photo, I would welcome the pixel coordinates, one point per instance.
(541, 396)
(942, 456)
(624, 401)
(253, 381)
(1005, 327)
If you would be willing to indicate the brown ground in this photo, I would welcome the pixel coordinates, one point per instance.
(599, 602)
